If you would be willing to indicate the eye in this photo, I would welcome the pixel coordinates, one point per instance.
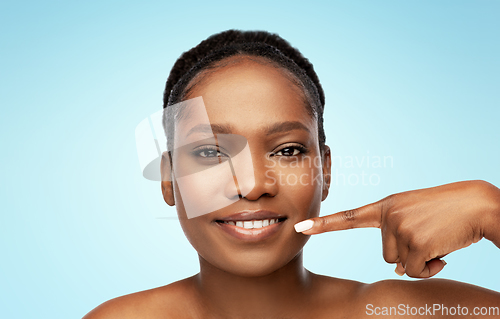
(291, 150)
(208, 152)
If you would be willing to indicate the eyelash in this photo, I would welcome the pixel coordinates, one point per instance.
(205, 148)
(302, 149)
(197, 152)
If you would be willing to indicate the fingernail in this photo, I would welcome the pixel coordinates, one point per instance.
(303, 225)
(444, 262)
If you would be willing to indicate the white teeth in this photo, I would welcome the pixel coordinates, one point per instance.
(257, 224)
(249, 224)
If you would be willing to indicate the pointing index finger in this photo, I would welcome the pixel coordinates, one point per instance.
(366, 216)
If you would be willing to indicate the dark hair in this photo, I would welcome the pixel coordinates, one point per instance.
(246, 43)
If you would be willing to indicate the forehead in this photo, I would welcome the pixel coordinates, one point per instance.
(246, 92)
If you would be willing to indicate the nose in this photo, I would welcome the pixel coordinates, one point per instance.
(254, 179)
(265, 181)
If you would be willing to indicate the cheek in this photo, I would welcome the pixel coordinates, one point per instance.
(198, 231)
(206, 191)
(302, 186)
(191, 227)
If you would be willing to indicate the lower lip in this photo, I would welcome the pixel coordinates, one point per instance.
(252, 234)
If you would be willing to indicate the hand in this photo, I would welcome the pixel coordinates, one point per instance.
(419, 227)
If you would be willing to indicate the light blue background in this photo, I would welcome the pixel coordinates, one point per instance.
(415, 80)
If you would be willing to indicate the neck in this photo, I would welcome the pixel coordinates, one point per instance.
(237, 296)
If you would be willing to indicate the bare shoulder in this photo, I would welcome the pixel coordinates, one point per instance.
(426, 298)
(170, 301)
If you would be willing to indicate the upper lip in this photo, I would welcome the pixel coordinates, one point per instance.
(252, 215)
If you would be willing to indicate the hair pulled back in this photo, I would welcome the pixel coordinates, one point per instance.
(250, 43)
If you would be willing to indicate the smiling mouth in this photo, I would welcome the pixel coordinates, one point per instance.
(252, 224)
(251, 231)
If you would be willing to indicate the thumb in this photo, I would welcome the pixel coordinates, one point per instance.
(367, 216)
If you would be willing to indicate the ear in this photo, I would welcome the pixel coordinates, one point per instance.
(327, 171)
(166, 179)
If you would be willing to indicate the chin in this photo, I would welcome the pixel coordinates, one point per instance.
(256, 262)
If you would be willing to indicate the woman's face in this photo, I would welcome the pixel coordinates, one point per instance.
(264, 110)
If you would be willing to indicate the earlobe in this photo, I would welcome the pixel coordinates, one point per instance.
(327, 172)
(166, 179)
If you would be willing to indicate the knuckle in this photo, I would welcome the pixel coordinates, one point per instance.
(414, 244)
(412, 270)
(475, 231)
(412, 274)
(392, 219)
(349, 215)
(389, 249)
(389, 256)
(324, 223)
(389, 200)
(403, 230)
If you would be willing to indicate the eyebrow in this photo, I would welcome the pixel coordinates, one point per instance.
(212, 128)
(287, 126)
(281, 127)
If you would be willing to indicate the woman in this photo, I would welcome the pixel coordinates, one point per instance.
(262, 98)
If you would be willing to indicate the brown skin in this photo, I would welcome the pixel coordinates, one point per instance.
(416, 228)
(268, 279)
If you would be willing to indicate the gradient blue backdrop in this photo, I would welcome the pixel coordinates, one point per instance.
(414, 80)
